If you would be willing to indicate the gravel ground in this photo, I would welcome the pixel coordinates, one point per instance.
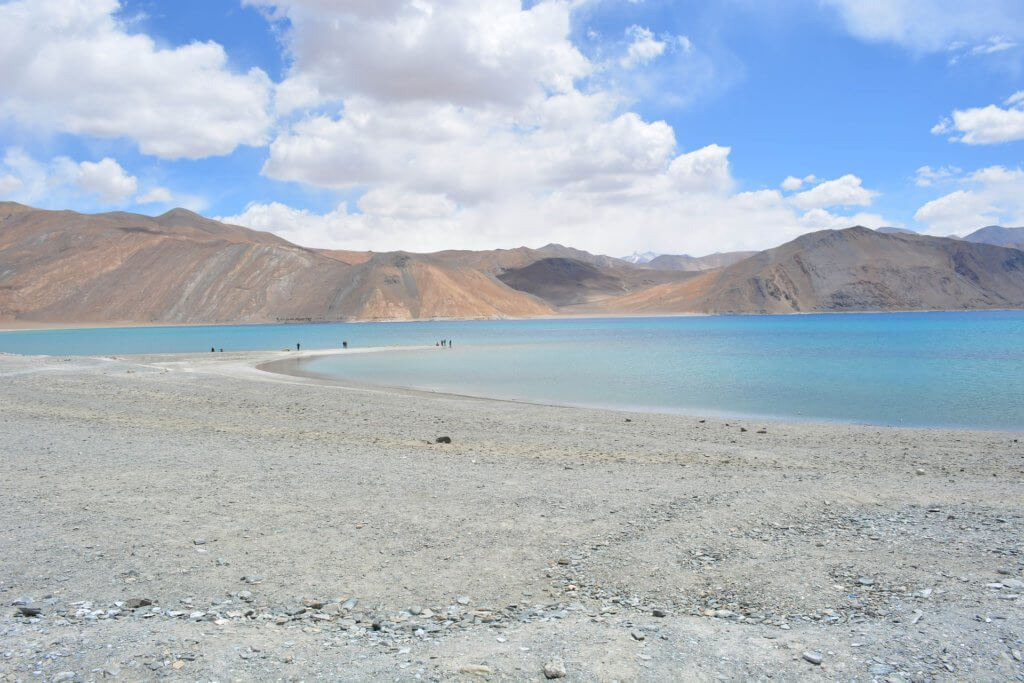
(191, 517)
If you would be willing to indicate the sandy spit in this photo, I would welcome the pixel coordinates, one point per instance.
(194, 517)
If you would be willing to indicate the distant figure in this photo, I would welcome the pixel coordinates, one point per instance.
(344, 344)
(212, 349)
(298, 346)
(449, 343)
(222, 350)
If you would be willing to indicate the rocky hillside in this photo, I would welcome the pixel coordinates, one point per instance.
(698, 263)
(999, 236)
(61, 266)
(855, 269)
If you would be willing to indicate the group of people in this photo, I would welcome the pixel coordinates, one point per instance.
(444, 342)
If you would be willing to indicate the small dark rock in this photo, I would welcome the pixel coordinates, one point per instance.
(813, 657)
(136, 603)
(27, 611)
(443, 439)
(659, 612)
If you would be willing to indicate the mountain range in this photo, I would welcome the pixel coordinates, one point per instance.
(62, 266)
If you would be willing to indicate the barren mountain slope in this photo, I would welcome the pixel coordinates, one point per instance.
(999, 236)
(855, 269)
(62, 266)
(566, 282)
(698, 263)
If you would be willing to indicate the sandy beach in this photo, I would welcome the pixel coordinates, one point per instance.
(194, 517)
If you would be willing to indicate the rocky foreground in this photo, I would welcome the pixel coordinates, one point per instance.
(173, 517)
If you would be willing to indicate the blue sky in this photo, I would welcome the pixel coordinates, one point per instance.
(611, 125)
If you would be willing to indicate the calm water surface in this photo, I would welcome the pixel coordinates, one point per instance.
(923, 369)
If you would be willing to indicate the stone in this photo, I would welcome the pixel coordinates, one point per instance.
(658, 612)
(24, 600)
(443, 439)
(918, 471)
(178, 665)
(637, 635)
(1013, 583)
(245, 596)
(462, 599)
(349, 604)
(476, 669)
(314, 604)
(866, 581)
(813, 657)
(555, 669)
(199, 541)
(136, 603)
(27, 611)
(63, 676)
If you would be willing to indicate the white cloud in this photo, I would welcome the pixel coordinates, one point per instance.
(643, 47)
(158, 195)
(71, 67)
(986, 125)
(61, 180)
(926, 176)
(992, 195)
(792, 183)
(462, 52)
(508, 150)
(933, 25)
(106, 179)
(844, 191)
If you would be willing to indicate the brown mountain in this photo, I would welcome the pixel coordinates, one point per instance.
(697, 263)
(855, 269)
(999, 236)
(61, 266)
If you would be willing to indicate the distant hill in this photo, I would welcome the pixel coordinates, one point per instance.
(62, 266)
(639, 258)
(855, 269)
(698, 263)
(999, 236)
(895, 231)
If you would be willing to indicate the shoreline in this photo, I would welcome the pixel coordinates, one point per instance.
(22, 326)
(214, 521)
(289, 366)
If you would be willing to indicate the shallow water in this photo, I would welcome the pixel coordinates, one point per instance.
(922, 369)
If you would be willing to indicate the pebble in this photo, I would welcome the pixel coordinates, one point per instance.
(30, 611)
(443, 439)
(63, 676)
(349, 604)
(813, 657)
(637, 635)
(245, 596)
(659, 612)
(462, 599)
(478, 669)
(555, 669)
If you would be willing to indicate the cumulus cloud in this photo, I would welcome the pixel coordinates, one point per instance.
(158, 195)
(106, 179)
(462, 52)
(988, 196)
(986, 125)
(28, 180)
(71, 67)
(643, 47)
(926, 176)
(844, 191)
(507, 149)
(934, 25)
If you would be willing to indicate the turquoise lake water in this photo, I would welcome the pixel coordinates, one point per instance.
(919, 369)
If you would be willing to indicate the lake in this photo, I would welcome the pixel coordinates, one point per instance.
(911, 369)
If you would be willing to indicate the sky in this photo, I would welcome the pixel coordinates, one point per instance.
(608, 125)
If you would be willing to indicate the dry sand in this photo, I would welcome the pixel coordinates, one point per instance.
(620, 546)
